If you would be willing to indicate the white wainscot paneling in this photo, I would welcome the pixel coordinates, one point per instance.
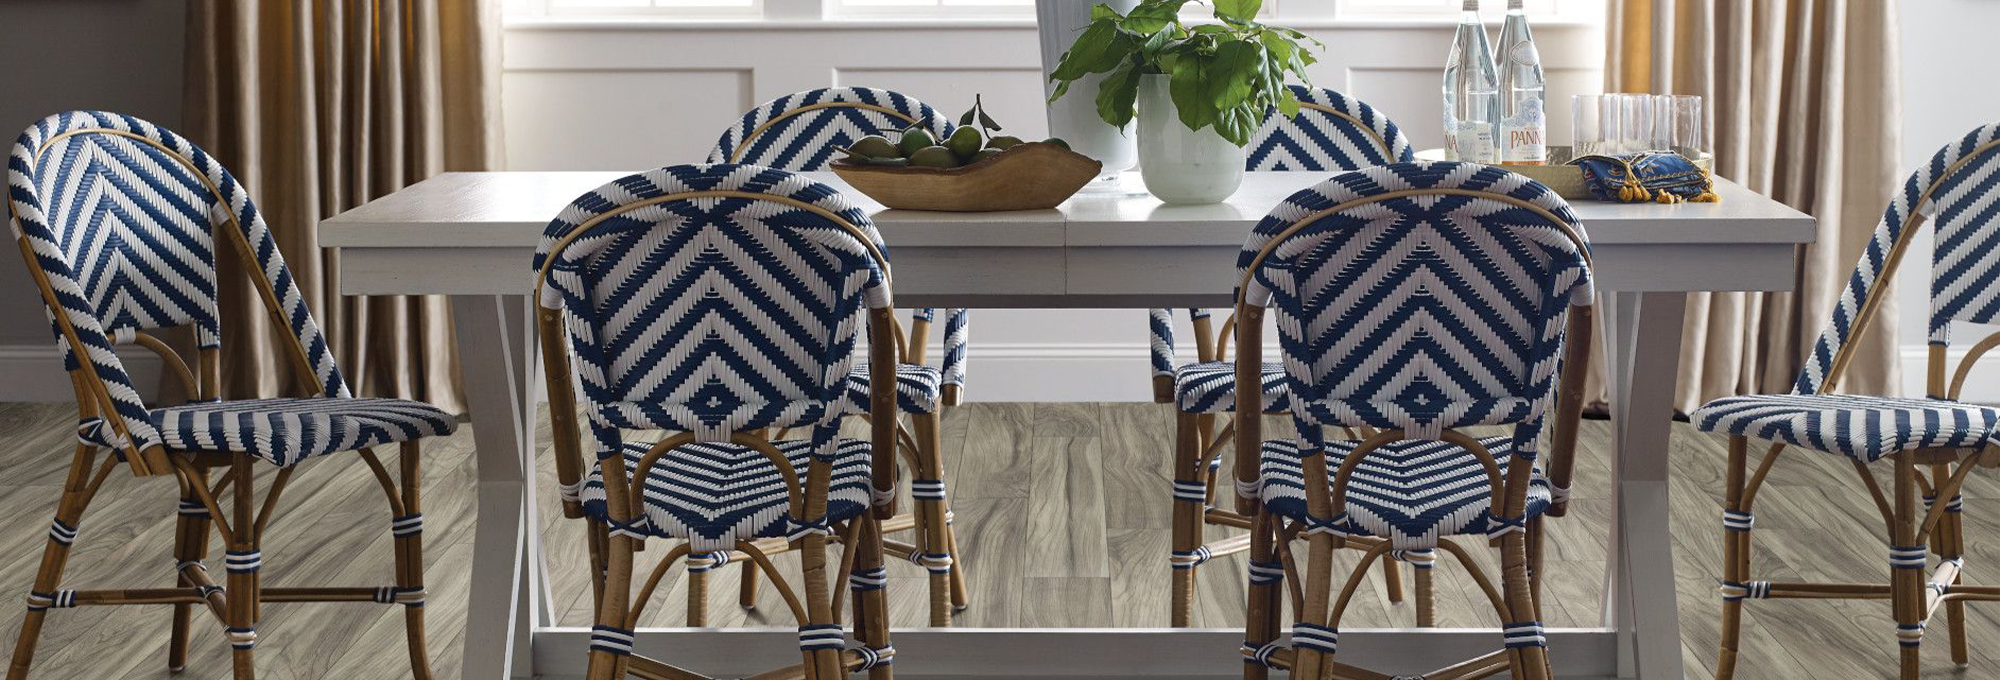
(578, 119)
(1013, 97)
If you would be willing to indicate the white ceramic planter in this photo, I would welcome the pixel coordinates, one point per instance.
(1074, 117)
(1181, 165)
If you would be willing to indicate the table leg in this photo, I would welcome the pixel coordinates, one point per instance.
(499, 618)
(1644, 331)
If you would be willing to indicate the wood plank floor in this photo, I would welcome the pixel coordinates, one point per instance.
(1063, 520)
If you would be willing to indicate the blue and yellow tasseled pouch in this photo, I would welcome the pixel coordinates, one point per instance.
(1646, 177)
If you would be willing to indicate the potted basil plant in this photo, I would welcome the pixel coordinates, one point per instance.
(1199, 92)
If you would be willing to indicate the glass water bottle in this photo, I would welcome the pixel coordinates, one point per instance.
(1471, 94)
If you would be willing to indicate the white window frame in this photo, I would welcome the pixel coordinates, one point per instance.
(1305, 13)
(548, 9)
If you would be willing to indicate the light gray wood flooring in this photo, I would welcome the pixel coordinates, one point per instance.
(1063, 522)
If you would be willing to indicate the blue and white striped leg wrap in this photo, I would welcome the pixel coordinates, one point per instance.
(1957, 503)
(875, 656)
(1910, 635)
(1526, 634)
(1261, 654)
(62, 533)
(1190, 491)
(1907, 557)
(407, 525)
(409, 597)
(707, 562)
(614, 640)
(803, 528)
(192, 507)
(61, 599)
(868, 579)
(1501, 526)
(242, 638)
(822, 636)
(1189, 559)
(1335, 526)
(1738, 520)
(936, 563)
(1248, 489)
(1309, 636)
(1737, 592)
(1266, 573)
(1424, 558)
(635, 529)
(246, 562)
(927, 489)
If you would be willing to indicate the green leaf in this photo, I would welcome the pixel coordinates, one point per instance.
(1149, 18)
(1229, 76)
(1240, 10)
(986, 121)
(1161, 41)
(1102, 11)
(1062, 88)
(967, 118)
(1236, 124)
(1189, 87)
(1288, 103)
(1100, 43)
(1117, 93)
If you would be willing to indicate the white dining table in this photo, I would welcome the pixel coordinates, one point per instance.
(471, 236)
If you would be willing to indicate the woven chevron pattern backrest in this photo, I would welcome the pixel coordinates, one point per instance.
(799, 132)
(1423, 310)
(1332, 132)
(122, 216)
(711, 297)
(1957, 190)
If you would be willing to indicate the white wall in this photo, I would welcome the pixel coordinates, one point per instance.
(1948, 89)
(117, 55)
(607, 96)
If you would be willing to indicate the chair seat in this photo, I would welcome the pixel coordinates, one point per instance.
(1411, 492)
(287, 431)
(1863, 428)
(1210, 387)
(918, 387)
(714, 494)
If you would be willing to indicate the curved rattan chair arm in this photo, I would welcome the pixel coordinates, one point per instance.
(623, 494)
(1204, 340)
(1569, 405)
(563, 425)
(175, 365)
(1222, 337)
(1964, 365)
(653, 582)
(793, 488)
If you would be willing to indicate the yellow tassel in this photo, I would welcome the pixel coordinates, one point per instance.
(1665, 197)
(1705, 197)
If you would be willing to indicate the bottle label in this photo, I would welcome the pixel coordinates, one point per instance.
(1522, 134)
(1525, 54)
(1472, 142)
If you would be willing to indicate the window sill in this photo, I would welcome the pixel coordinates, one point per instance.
(867, 23)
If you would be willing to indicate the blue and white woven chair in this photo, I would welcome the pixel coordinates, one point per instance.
(122, 224)
(718, 303)
(1413, 299)
(800, 132)
(1921, 436)
(1332, 133)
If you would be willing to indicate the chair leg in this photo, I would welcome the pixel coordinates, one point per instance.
(1426, 593)
(190, 545)
(1948, 543)
(243, 561)
(610, 641)
(1392, 580)
(821, 663)
(1530, 659)
(939, 558)
(1266, 581)
(1735, 558)
(409, 532)
(746, 594)
(697, 604)
(55, 555)
(871, 604)
(1190, 496)
(1906, 567)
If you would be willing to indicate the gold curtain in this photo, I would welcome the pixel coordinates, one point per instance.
(318, 106)
(1803, 104)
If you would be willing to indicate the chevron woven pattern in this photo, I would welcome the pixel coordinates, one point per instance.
(1411, 492)
(801, 132)
(1859, 427)
(917, 388)
(123, 218)
(1332, 132)
(711, 314)
(712, 494)
(1420, 312)
(1210, 387)
(286, 432)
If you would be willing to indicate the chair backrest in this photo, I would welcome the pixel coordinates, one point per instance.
(1419, 296)
(1957, 190)
(799, 132)
(1332, 132)
(121, 220)
(711, 298)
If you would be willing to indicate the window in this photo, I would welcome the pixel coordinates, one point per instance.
(1489, 9)
(918, 9)
(1273, 10)
(720, 8)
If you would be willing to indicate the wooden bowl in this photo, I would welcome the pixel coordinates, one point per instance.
(1031, 176)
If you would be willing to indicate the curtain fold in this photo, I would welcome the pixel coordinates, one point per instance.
(319, 106)
(1803, 101)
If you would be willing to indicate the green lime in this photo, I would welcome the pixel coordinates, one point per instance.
(1003, 142)
(1058, 142)
(965, 141)
(875, 146)
(933, 157)
(890, 161)
(914, 140)
(984, 154)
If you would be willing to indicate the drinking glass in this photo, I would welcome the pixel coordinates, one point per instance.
(1635, 122)
(1678, 125)
(1593, 125)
